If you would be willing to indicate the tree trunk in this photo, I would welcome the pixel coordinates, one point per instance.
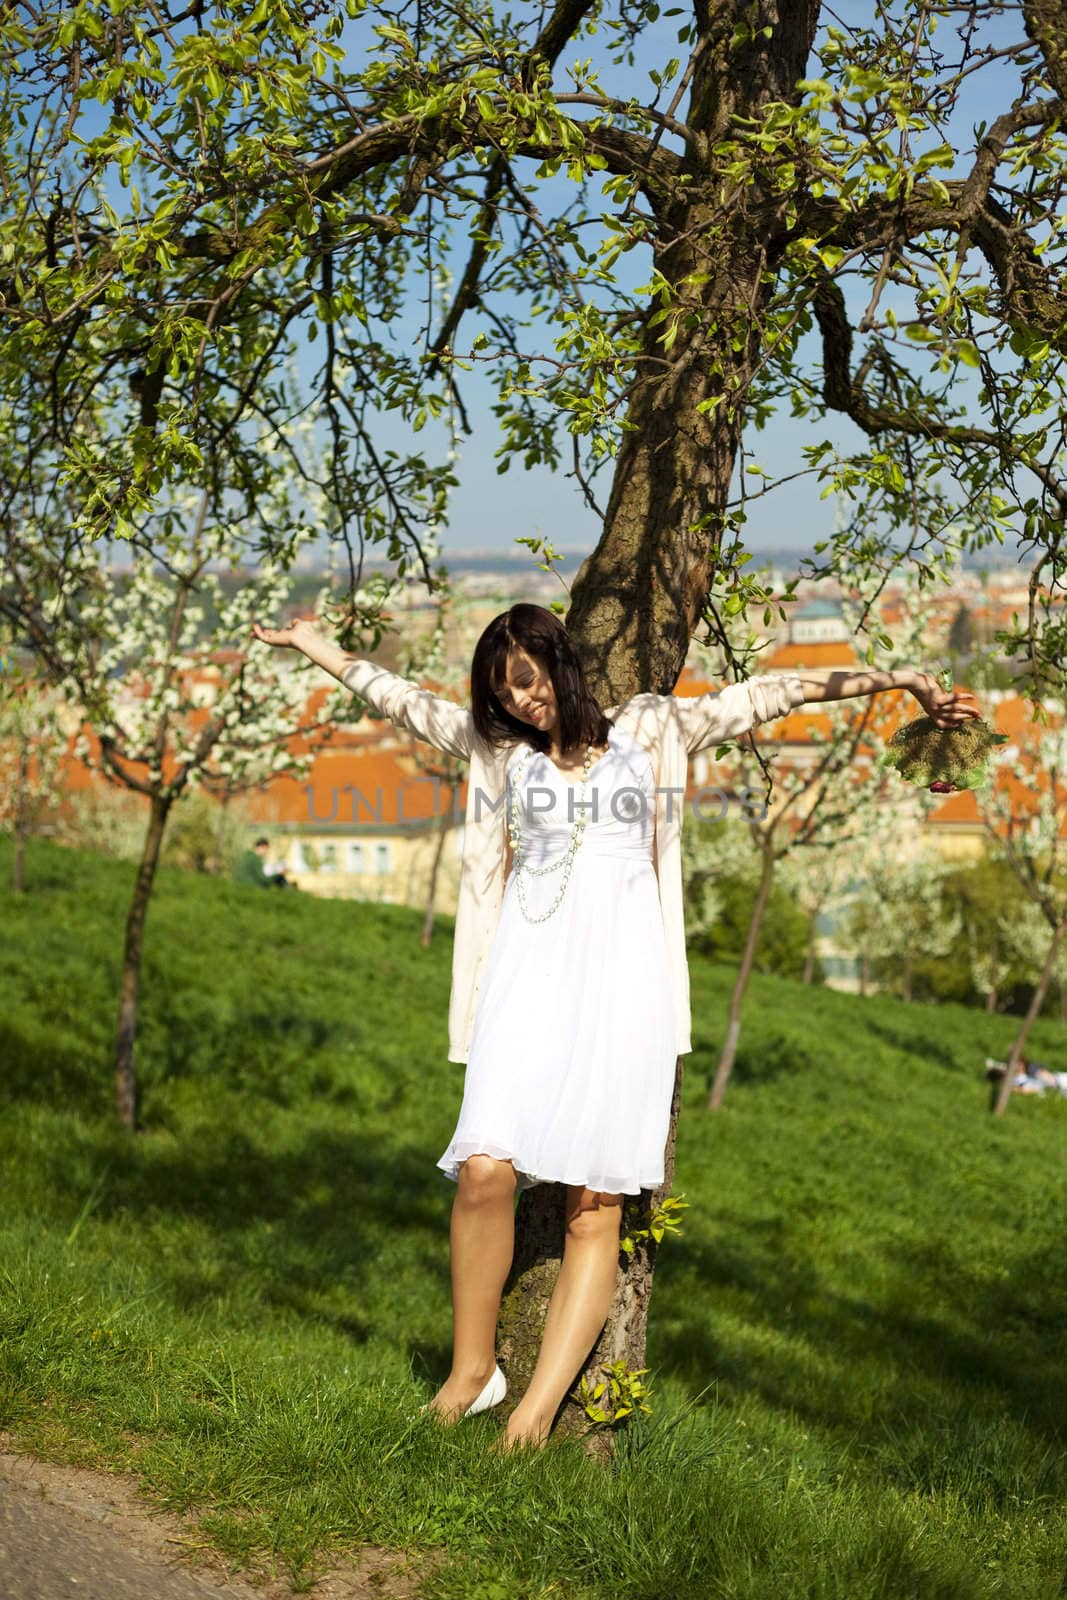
(991, 993)
(17, 876)
(748, 956)
(865, 973)
(17, 872)
(905, 980)
(809, 954)
(539, 1235)
(638, 598)
(431, 896)
(1037, 1000)
(125, 1077)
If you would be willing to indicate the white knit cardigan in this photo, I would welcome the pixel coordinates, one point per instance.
(670, 727)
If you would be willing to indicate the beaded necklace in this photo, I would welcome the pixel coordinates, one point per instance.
(566, 860)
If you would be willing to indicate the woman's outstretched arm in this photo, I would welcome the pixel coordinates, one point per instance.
(442, 723)
(949, 708)
(710, 719)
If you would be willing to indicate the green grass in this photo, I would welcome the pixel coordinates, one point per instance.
(857, 1344)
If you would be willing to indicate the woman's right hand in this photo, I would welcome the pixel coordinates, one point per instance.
(290, 638)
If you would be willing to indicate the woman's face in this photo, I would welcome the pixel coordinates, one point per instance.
(527, 692)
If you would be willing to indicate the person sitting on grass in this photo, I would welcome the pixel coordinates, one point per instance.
(252, 869)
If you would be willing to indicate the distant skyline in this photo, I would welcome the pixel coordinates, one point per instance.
(488, 511)
(487, 557)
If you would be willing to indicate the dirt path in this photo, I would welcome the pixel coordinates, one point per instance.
(70, 1532)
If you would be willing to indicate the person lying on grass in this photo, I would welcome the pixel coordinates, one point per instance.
(1031, 1077)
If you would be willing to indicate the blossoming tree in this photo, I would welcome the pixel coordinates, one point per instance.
(129, 653)
(1025, 817)
(32, 743)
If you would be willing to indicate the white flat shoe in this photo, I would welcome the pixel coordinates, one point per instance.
(491, 1395)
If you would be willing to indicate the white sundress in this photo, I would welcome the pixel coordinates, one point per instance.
(570, 1072)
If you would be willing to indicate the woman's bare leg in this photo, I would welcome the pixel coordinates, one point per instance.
(483, 1240)
(576, 1312)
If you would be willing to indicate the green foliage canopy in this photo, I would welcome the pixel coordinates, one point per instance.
(195, 197)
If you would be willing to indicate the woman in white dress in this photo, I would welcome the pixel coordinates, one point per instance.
(572, 1056)
(572, 1059)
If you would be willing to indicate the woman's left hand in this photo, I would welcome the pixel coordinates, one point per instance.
(948, 708)
(287, 638)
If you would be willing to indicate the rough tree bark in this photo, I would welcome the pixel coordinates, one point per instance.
(638, 597)
(718, 243)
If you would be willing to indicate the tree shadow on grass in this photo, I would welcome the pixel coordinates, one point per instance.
(48, 1072)
(279, 1055)
(761, 1058)
(775, 1055)
(312, 1228)
(909, 1042)
(854, 1369)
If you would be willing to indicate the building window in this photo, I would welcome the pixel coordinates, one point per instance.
(840, 967)
(383, 858)
(356, 863)
(329, 858)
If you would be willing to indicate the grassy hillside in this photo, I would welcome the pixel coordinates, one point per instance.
(857, 1344)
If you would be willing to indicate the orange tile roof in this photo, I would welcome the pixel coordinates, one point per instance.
(961, 807)
(828, 653)
(377, 755)
(373, 787)
(74, 777)
(1014, 716)
(692, 683)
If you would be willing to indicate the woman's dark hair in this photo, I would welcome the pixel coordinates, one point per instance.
(542, 635)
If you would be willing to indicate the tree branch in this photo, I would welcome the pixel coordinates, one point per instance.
(843, 392)
(1030, 291)
(467, 293)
